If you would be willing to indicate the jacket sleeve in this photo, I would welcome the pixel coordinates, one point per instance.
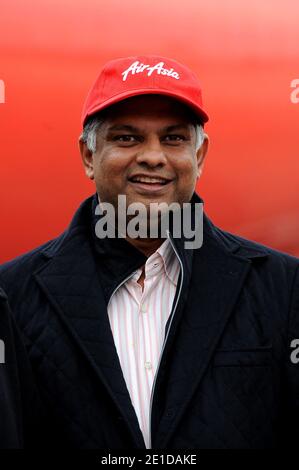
(21, 413)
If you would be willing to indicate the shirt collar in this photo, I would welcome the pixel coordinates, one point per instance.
(170, 263)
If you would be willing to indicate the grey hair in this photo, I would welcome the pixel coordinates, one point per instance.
(90, 130)
(200, 136)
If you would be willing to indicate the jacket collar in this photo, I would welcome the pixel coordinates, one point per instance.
(123, 256)
(117, 258)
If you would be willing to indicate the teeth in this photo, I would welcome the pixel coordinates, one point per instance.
(147, 179)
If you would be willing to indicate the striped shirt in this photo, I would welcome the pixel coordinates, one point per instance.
(137, 319)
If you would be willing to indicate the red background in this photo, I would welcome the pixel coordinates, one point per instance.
(245, 54)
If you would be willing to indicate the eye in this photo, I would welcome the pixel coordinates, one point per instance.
(174, 138)
(126, 138)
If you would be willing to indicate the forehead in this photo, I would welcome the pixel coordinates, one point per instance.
(143, 107)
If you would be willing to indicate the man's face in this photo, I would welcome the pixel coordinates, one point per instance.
(147, 136)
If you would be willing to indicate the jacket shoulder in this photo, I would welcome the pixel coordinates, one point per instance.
(251, 248)
(15, 274)
(16, 270)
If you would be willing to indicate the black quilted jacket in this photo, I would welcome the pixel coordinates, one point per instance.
(225, 378)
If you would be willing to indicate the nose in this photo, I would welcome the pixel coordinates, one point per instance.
(152, 154)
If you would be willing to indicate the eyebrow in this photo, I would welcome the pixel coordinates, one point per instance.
(130, 128)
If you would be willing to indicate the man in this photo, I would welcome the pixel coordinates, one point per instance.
(141, 342)
(20, 412)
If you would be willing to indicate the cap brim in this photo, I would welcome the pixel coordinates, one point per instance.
(149, 91)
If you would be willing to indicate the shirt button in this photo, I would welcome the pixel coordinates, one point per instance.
(143, 308)
(148, 365)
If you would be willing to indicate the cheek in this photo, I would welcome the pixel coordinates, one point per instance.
(110, 168)
(186, 168)
(110, 176)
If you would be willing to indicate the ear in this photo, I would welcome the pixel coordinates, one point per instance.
(201, 153)
(87, 159)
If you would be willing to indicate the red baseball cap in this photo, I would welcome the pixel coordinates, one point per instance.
(139, 75)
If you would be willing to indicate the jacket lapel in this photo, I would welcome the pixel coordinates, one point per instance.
(218, 275)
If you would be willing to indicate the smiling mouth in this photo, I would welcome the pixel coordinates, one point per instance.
(148, 184)
(150, 180)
